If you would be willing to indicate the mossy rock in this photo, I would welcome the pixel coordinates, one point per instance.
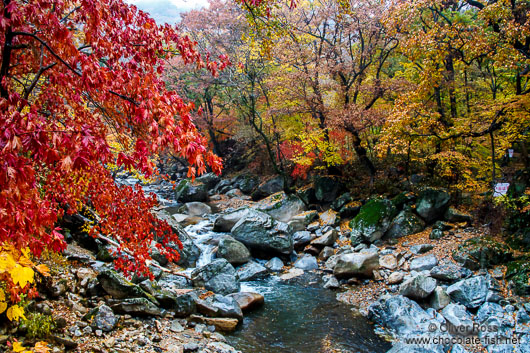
(373, 220)
(432, 204)
(405, 223)
(482, 252)
(402, 199)
(340, 201)
(519, 273)
(119, 287)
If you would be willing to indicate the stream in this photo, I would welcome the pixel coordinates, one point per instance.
(298, 316)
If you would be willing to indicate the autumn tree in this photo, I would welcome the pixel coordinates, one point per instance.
(80, 90)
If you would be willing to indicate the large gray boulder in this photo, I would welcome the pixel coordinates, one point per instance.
(400, 314)
(251, 270)
(104, 319)
(186, 191)
(302, 220)
(260, 232)
(471, 292)
(119, 287)
(439, 298)
(417, 287)
(247, 183)
(135, 306)
(423, 263)
(458, 319)
(327, 188)
(233, 251)
(281, 207)
(226, 221)
(220, 306)
(450, 272)
(268, 188)
(362, 263)
(219, 276)
(275, 264)
(405, 223)
(432, 204)
(190, 252)
(306, 263)
(373, 221)
(301, 238)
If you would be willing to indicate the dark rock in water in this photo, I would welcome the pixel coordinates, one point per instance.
(268, 188)
(248, 301)
(135, 306)
(469, 292)
(373, 221)
(458, 319)
(261, 232)
(423, 263)
(219, 276)
(220, 306)
(356, 264)
(281, 207)
(432, 203)
(188, 192)
(400, 314)
(454, 215)
(306, 263)
(418, 287)
(450, 272)
(405, 223)
(275, 264)
(104, 319)
(327, 188)
(119, 287)
(226, 221)
(189, 254)
(341, 201)
(247, 183)
(482, 252)
(251, 270)
(233, 251)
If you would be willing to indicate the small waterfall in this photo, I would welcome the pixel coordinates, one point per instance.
(205, 239)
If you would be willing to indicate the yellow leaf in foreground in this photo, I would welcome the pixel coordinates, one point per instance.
(18, 347)
(22, 275)
(41, 347)
(3, 307)
(43, 270)
(15, 312)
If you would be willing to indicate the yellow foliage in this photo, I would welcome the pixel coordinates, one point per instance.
(15, 312)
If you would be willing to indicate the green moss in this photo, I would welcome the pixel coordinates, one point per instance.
(519, 273)
(38, 325)
(372, 213)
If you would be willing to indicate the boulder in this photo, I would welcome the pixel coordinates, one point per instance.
(275, 264)
(226, 221)
(219, 276)
(248, 301)
(185, 302)
(327, 188)
(421, 248)
(326, 253)
(350, 210)
(450, 272)
(341, 201)
(454, 215)
(328, 239)
(220, 306)
(118, 287)
(356, 264)
(395, 278)
(488, 310)
(302, 220)
(331, 282)
(281, 207)
(417, 287)
(223, 324)
(208, 179)
(329, 218)
(251, 270)
(104, 319)
(373, 221)
(432, 203)
(400, 314)
(135, 306)
(301, 238)
(439, 298)
(268, 188)
(469, 292)
(233, 251)
(260, 232)
(482, 252)
(189, 192)
(388, 261)
(234, 193)
(247, 183)
(458, 319)
(197, 209)
(306, 263)
(405, 223)
(423, 263)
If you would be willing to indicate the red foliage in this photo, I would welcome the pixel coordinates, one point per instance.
(75, 74)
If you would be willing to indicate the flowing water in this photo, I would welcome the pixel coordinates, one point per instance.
(299, 316)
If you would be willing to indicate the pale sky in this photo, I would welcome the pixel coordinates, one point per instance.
(167, 11)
